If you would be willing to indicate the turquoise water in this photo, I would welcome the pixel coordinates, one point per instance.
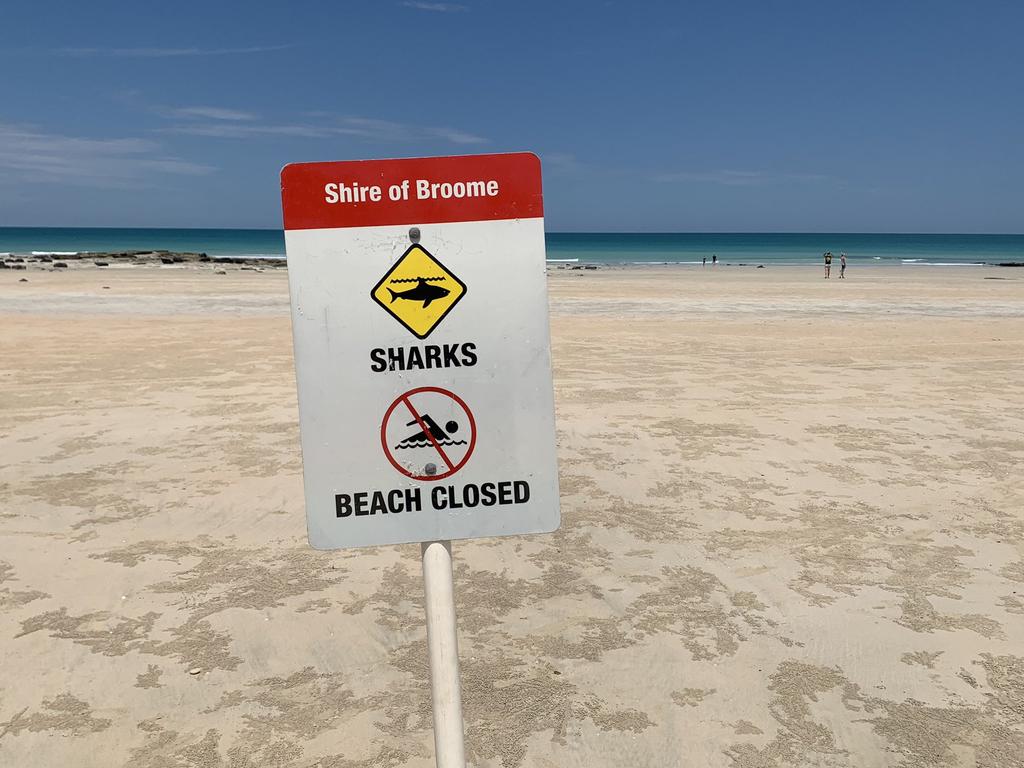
(215, 242)
(750, 248)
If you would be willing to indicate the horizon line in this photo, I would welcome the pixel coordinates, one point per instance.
(568, 231)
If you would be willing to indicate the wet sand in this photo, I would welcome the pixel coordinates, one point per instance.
(793, 534)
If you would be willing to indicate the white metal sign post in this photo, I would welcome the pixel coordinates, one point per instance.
(422, 355)
(443, 651)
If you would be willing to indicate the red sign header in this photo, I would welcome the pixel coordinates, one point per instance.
(423, 190)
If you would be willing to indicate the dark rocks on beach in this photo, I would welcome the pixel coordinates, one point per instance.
(59, 265)
(185, 257)
(148, 258)
(16, 266)
(23, 280)
(1011, 264)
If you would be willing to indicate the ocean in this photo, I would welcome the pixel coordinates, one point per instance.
(574, 247)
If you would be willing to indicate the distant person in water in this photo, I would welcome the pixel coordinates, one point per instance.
(705, 262)
(714, 259)
(828, 263)
(842, 266)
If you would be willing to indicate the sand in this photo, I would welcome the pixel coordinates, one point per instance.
(793, 534)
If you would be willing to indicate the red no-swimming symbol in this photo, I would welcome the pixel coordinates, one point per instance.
(428, 433)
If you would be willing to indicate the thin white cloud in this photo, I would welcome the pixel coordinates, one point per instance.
(733, 178)
(435, 7)
(161, 53)
(455, 136)
(326, 126)
(390, 131)
(31, 155)
(225, 130)
(210, 113)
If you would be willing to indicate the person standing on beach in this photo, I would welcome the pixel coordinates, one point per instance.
(714, 259)
(828, 263)
(705, 262)
(842, 266)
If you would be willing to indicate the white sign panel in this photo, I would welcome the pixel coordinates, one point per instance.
(420, 321)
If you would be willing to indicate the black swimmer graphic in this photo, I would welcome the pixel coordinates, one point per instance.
(423, 291)
(442, 436)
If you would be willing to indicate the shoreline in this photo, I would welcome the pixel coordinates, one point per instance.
(58, 260)
(53, 260)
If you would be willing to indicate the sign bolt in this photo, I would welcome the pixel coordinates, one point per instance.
(430, 469)
(414, 235)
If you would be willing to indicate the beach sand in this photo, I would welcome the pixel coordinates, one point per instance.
(793, 534)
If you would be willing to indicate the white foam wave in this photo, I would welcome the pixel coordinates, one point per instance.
(956, 264)
(268, 256)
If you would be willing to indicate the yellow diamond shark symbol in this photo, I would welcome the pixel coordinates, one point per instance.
(418, 291)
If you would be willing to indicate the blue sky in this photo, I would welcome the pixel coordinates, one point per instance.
(717, 116)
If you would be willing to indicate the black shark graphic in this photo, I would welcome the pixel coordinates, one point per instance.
(416, 278)
(423, 291)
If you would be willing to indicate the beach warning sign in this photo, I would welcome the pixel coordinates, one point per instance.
(422, 354)
(418, 291)
(432, 451)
